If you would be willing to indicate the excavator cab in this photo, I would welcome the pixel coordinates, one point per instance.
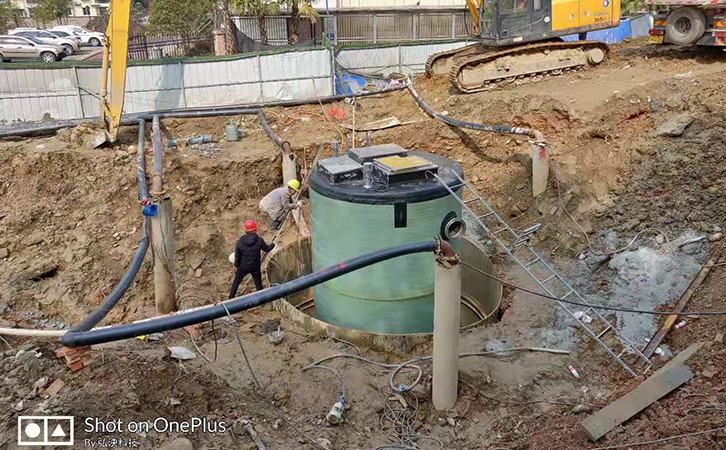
(511, 22)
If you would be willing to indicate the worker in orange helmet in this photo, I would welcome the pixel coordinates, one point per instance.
(247, 256)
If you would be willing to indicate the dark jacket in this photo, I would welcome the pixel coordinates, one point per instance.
(247, 252)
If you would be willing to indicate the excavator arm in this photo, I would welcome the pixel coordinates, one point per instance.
(113, 87)
(473, 6)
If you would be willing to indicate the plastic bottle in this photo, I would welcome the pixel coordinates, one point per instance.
(232, 131)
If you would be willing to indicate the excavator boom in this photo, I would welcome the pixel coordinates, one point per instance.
(113, 84)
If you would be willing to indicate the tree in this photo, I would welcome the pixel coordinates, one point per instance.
(296, 11)
(6, 15)
(260, 9)
(47, 11)
(138, 11)
(178, 16)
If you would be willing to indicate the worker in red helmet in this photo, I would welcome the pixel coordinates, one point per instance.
(247, 255)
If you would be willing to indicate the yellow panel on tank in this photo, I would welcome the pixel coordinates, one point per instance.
(596, 12)
(565, 14)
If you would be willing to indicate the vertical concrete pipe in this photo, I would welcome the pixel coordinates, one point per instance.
(447, 318)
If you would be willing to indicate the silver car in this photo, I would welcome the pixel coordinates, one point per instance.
(18, 47)
(70, 45)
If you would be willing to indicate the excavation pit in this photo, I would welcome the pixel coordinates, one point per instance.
(480, 300)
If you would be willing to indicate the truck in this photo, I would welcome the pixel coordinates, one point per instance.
(689, 22)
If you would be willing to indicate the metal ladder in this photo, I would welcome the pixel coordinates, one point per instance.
(521, 241)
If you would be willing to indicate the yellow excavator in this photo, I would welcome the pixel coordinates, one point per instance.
(113, 70)
(521, 38)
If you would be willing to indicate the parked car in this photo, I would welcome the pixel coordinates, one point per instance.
(18, 47)
(63, 34)
(87, 36)
(70, 45)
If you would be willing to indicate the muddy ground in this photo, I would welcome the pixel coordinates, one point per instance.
(69, 226)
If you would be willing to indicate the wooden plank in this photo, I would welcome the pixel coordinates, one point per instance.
(663, 330)
(382, 124)
(665, 380)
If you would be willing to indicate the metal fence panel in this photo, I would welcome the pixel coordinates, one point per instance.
(413, 57)
(37, 93)
(434, 26)
(68, 93)
(276, 28)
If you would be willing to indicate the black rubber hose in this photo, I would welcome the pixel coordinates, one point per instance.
(116, 333)
(474, 126)
(113, 298)
(141, 162)
(34, 128)
(97, 315)
(156, 128)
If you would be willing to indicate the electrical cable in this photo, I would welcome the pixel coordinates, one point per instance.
(607, 308)
(257, 382)
(656, 441)
(343, 389)
(401, 388)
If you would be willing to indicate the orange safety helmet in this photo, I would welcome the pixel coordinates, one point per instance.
(250, 225)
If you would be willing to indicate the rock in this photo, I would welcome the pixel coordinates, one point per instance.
(451, 422)
(442, 421)
(198, 273)
(33, 239)
(181, 353)
(719, 338)
(64, 134)
(660, 239)
(324, 442)
(715, 237)
(40, 384)
(580, 409)
(132, 150)
(709, 373)
(178, 444)
(676, 126)
(277, 424)
(55, 387)
(4, 253)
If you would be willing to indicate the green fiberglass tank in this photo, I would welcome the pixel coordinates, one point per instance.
(370, 199)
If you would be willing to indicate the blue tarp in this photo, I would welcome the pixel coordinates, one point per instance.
(609, 36)
(352, 84)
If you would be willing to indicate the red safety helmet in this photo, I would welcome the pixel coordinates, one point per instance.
(250, 225)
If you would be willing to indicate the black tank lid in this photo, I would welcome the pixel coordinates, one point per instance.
(412, 191)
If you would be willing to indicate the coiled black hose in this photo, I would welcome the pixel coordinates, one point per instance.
(116, 333)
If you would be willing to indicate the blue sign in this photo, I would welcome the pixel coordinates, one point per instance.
(606, 3)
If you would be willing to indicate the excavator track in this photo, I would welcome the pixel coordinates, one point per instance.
(440, 63)
(478, 72)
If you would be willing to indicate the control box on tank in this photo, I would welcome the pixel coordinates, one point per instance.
(373, 198)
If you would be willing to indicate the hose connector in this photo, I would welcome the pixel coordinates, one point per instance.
(335, 416)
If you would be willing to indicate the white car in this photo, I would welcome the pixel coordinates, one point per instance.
(87, 36)
(70, 46)
(63, 34)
